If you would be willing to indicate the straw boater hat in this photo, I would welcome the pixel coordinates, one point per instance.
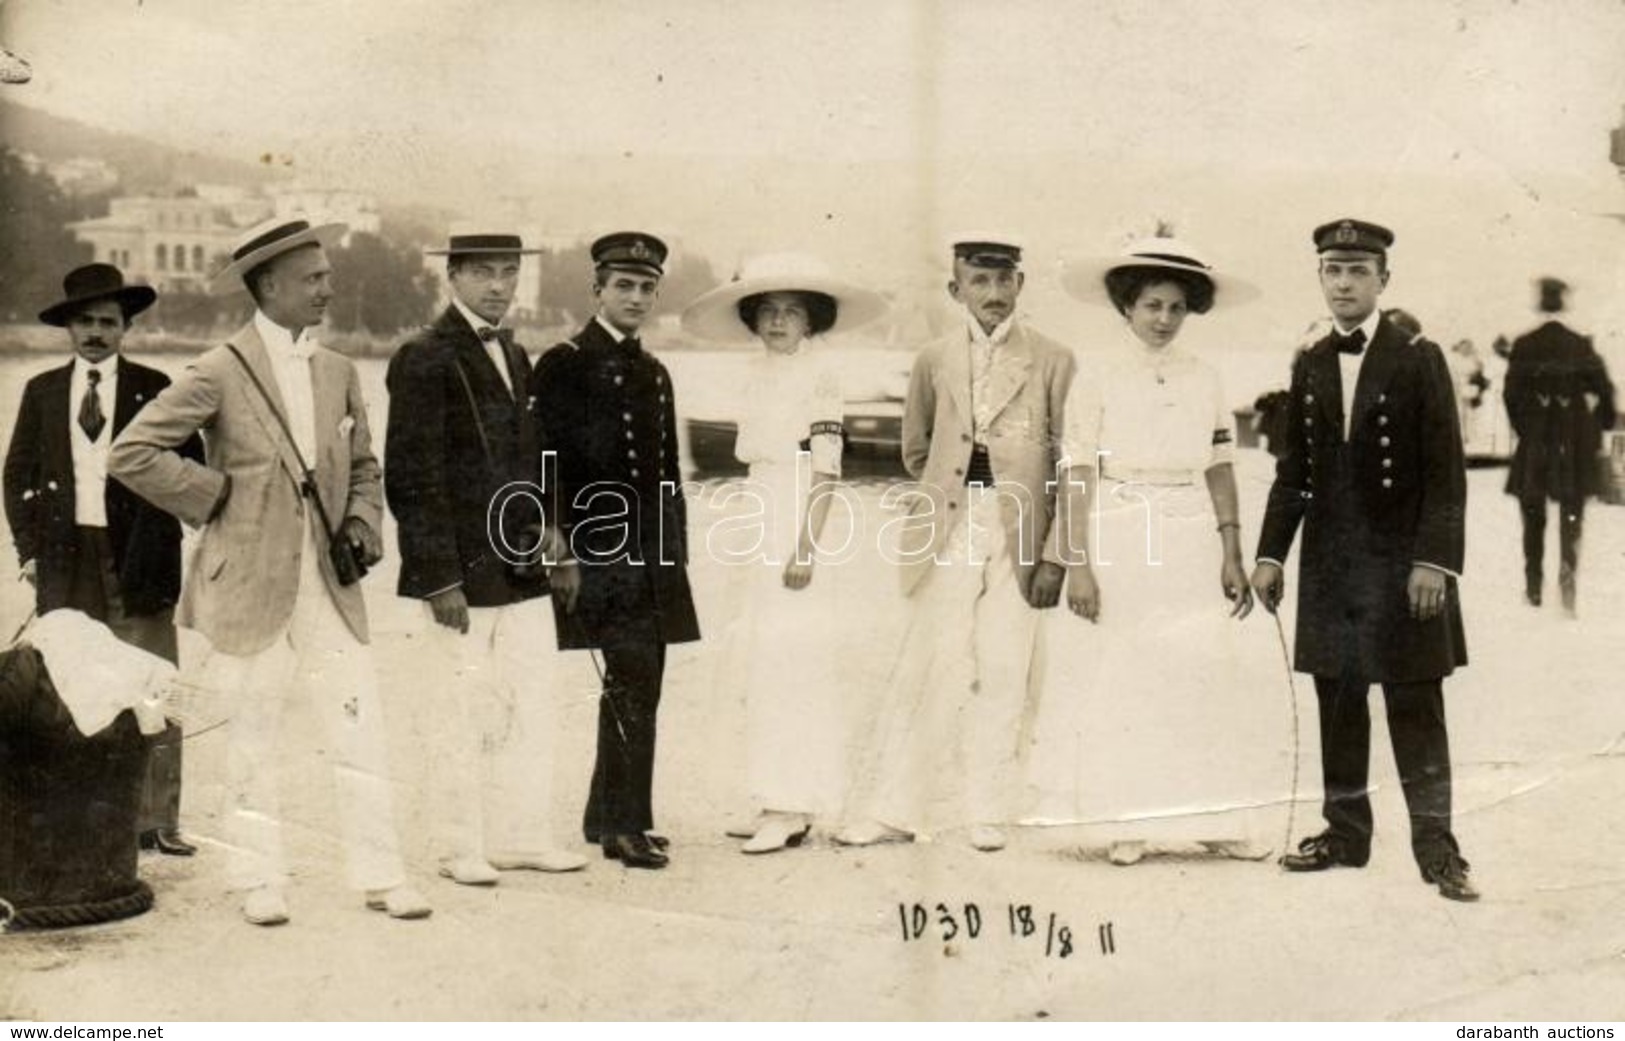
(269, 239)
(93, 282)
(1085, 277)
(482, 243)
(715, 315)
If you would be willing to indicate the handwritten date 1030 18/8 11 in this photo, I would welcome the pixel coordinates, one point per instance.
(967, 922)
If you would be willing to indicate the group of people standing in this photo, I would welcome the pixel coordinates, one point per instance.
(1103, 479)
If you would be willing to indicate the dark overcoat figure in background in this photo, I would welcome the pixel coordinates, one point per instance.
(1373, 472)
(1559, 400)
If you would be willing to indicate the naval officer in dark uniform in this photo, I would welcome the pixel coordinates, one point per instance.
(1373, 470)
(606, 412)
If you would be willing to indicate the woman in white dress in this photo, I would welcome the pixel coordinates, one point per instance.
(790, 435)
(1166, 723)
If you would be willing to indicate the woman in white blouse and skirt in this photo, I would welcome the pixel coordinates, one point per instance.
(790, 435)
(1166, 749)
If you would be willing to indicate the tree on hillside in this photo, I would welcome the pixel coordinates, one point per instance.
(39, 249)
(380, 287)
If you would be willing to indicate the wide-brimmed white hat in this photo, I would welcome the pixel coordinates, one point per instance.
(715, 315)
(267, 239)
(1085, 276)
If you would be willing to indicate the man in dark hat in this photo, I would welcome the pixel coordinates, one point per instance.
(291, 493)
(608, 418)
(87, 543)
(982, 429)
(1373, 471)
(461, 440)
(1559, 399)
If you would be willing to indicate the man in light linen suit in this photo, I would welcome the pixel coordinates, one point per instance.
(261, 585)
(979, 559)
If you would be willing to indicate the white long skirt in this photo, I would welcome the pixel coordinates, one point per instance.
(782, 655)
(1160, 723)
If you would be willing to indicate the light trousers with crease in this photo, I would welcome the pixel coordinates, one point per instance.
(494, 755)
(315, 656)
(953, 726)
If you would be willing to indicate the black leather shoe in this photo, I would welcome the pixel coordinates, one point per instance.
(167, 841)
(1450, 875)
(657, 841)
(635, 851)
(1326, 850)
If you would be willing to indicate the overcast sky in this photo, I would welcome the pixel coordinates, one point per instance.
(868, 131)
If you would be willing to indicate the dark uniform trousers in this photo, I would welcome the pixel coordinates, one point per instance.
(93, 588)
(1416, 726)
(620, 801)
(1570, 517)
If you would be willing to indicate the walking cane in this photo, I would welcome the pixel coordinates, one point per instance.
(1292, 703)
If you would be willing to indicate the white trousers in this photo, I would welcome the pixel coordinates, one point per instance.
(494, 753)
(317, 656)
(952, 727)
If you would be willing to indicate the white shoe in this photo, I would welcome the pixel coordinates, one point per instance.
(400, 902)
(264, 905)
(987, 838)
(469, 871)
(778, 832)
(871, 833)
(1125, 853)
(746, 829)
(553, 860)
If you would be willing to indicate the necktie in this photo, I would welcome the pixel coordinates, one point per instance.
(497, 341)
(490, 332)
(91, 419)
(1353, 343)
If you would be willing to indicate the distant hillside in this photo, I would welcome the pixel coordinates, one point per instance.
(143, 165)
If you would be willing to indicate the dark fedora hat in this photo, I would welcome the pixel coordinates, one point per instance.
(481, 244)
(93, 282)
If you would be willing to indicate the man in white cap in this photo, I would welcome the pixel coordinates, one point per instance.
(464, 452)
(982, 428)
(290, 508)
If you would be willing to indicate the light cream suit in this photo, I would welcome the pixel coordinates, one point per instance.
(244, 574)
(1026, 393)
(950, 731)
(260, 587)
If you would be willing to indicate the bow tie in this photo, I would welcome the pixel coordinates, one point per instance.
(488, 333)
(1352, 343)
